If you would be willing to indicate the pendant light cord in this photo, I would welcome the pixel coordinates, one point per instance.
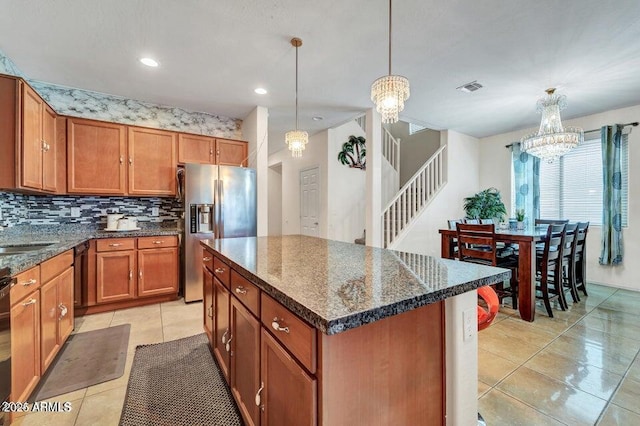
(389, 37)
(296, 87)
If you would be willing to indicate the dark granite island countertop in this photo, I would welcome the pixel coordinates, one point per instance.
(337, 286)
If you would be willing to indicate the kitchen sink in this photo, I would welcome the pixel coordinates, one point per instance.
(21, 249)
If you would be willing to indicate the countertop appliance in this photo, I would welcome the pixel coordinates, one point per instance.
(219, 202)
(6, 282)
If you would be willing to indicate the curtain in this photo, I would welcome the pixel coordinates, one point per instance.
(611, 244)
(526, 173)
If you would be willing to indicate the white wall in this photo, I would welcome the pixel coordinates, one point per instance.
(275, 199)
(415, 149)
(495, 170)
(345, 188)
(463, 171)
(315, 154)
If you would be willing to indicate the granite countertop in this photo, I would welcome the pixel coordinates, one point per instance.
(337, 286)
(61, 238)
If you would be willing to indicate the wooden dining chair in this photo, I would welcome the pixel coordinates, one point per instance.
(477, 244)
(579, 259)
(549, 268)
(568, 263)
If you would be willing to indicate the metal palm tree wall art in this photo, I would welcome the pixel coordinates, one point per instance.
(353, 152)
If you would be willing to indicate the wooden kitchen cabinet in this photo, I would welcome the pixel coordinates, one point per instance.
(27, 138)
(231, 152)
(222, 332)
(25, 346)
(289, 393)
(96, 153)
(196, 149)
(207, 292)
(56, 315)
(115, 276)
(245, 361)
(152, 162)
(157, 271)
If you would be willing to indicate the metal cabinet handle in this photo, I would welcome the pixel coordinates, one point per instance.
(29, 282)
(228, 345)
(115, 244)
(258, 394)
(219, 270)
(63, 310)
(210, 312)
(121, 159)
(241, 290)
(30, 302)
(158, 242)
(277, 327)
(130, 160)
(224, 337)
(206, 259)
(140, 273)
(130, 274)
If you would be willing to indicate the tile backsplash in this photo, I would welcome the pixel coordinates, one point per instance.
(20, 209)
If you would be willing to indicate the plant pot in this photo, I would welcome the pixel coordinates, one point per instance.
(520, 226)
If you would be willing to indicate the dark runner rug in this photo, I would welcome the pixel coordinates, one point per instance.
(177, 383)
(86, 359)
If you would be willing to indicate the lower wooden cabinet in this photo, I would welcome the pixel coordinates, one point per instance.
(56, 315)
(115, 276)
(245, 361)
(207, 303)
(221, 332)
(25, 346)
(157, 271)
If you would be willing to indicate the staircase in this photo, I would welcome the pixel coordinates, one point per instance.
(413, 197)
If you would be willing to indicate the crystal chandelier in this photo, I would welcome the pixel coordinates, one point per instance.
(296, 139)
(390, 91)
(552, 141)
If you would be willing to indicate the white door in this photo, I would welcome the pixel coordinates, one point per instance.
(309, 202)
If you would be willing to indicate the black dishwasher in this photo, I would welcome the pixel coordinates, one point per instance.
(80, 266)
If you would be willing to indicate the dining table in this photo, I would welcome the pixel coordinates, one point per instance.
(526, 240)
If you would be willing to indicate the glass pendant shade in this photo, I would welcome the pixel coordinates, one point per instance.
(297, 141)
(389, 93)
(552, 140)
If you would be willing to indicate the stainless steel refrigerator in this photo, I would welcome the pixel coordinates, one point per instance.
(219, 202)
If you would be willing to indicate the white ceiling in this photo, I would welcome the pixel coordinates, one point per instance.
(214, 53)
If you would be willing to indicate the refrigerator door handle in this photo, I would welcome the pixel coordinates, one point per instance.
(221, 209)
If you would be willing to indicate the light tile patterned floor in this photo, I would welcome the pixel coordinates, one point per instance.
(581, 367)
(102, 404)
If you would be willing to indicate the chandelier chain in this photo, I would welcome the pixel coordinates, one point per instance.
(390, 37)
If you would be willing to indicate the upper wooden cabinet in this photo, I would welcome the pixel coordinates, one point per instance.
(208, 150)
(152, 162)
(96, 154)
(28, 142)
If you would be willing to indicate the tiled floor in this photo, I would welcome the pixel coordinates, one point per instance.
(581, 367)
(102, 404)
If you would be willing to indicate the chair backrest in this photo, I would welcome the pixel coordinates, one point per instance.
(581, 239)
(570, 240)
(452, 223)
(476, 243)
(486, 221)
(550, 221)
(553, 245)
(472, 221)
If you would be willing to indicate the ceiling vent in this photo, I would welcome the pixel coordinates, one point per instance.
(470, 87)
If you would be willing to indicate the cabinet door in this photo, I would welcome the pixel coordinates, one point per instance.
(115, 276)
(288, 393)
(231, 153)
(50, 151)
(65, 304)
(152, 162)
(25, 346)
(195, 149)
(245, 361)
(95, 157)
(49, 340)
(157, 271)
(31, 147)
(207, 291)
(222, 332)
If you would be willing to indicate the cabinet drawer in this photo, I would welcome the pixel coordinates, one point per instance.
(298, 337)
(26, 283)
(158, 242)
(115, 244)
(221, 271)
(56, 265)
(246, 292)
(207, 260)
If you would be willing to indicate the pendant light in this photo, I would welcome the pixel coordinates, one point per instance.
(296, 139)
(552, 140)
(390, 92)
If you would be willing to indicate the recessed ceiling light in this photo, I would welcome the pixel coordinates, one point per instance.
(261, 91)
(149, 62)
(318, 118)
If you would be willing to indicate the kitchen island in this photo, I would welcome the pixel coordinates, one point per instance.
(309, 331)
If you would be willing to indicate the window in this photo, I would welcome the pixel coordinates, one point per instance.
(571, 187)
(415, 128)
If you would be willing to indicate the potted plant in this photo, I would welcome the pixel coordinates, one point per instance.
(485, 204)
(520, 219)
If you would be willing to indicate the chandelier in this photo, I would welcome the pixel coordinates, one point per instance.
(296, 139)
(390, 91)
(552, 141)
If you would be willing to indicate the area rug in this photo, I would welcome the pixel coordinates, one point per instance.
(177, 383)
(86, 359)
